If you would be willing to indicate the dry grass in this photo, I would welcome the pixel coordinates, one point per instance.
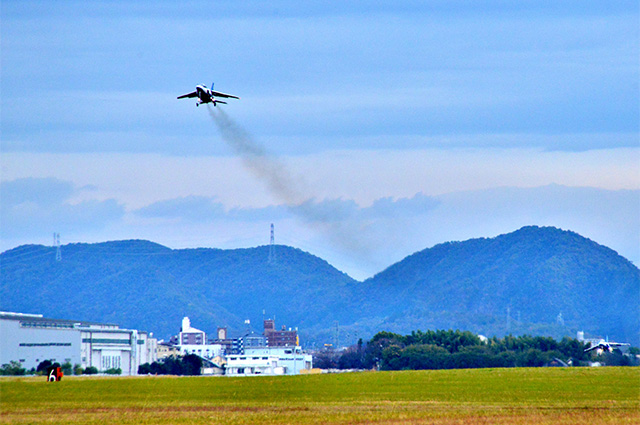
(499, 396)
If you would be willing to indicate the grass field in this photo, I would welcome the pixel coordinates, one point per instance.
(480, 396)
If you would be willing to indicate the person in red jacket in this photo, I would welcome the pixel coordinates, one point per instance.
(55, 374)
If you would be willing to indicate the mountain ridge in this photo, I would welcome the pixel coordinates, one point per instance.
(535, 279)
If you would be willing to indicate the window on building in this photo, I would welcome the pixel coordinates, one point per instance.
(111, 362)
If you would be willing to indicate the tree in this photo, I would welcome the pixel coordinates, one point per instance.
(44, 366)
(350, 359)
(534, 357)
(66, 368)
(187, 365)
(144, 369)
(426, 356)
(325, 360)
(191, 365)
(12, 368)
(390, 358)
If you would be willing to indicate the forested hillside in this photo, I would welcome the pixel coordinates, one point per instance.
(535, 280)
(539, 281)
(143, 285)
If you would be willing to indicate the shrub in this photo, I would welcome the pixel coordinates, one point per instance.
(91, 370)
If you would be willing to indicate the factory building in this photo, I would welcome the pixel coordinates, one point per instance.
(32, 338)
(269, 361)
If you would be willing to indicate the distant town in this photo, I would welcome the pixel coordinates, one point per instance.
(30, 343)
(30, 339)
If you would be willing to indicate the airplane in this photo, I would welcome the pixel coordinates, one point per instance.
(605, 346)
(207, 95)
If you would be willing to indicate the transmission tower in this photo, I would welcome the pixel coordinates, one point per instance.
(272, 247)
(56, 243)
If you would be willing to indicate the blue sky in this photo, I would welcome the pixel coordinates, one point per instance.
(392, 127)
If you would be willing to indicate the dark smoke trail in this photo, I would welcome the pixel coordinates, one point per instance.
(258, 160)
(287, 188)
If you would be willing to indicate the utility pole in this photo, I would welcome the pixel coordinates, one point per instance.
(56, 243)
(272, 247)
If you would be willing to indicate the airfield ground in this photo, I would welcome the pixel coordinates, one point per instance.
(481, 396)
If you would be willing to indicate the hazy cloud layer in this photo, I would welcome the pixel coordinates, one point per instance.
(200, 208)
(33, 207)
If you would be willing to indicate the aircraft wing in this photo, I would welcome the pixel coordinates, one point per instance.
(218, 94)
(618, 344)
(595, 347)
(192, 94)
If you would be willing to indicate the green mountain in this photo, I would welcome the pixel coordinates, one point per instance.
(535, 280)
(147, 286)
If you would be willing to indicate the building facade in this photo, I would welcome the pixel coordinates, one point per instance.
(165, 350)
(32, 338)
(279, 338)
(189, 335)
(194, 341)
(269, 361)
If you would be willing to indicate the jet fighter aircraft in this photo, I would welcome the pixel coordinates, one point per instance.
(605, 346)
(207, 95)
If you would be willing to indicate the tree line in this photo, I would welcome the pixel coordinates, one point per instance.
(183, 365)
(15, 368)
(449, 349)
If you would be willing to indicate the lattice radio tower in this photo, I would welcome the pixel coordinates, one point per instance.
(272, 247)
(56, 243)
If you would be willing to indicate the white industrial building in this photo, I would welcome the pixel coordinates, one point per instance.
(32, 338)
(194, 341)
(269, 361)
